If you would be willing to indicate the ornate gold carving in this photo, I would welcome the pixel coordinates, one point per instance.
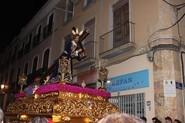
(103, 74)
(43, 104)
(82, 105)
(93, 109)
(66, 95)
(22, 81)
(64, 69)
(64, 104)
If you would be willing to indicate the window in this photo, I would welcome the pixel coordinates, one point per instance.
(26, 69)
(16, 85)
(87, 2)
(6, 77)
(21, 50)
(121, 23)
(50, 24)
(29, 42)
(69, 11)
(1, 80)
(28, 45)
(1, 100)
(18, 73)
(133, 104)
(35, 61)
(15, 53)
(11, 76)
(47, 30)
(36, 38)
(39, 33)
(89, 43)
(46, 59)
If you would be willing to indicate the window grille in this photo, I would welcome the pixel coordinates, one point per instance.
(133, 104)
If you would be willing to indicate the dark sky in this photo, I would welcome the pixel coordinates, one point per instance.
(14, 15)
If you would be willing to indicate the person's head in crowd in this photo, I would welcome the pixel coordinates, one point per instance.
(120, 118)
(168, 119)
(158, 121)
(155, 120)
(177, 121)
(144, 119)
(39, 120)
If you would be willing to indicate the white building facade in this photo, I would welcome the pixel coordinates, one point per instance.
(139, 41)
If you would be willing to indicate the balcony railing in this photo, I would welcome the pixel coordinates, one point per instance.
(117, 40)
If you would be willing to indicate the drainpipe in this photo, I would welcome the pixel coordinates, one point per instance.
(183, 83)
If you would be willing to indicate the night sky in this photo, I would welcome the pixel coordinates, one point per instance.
(14, 15)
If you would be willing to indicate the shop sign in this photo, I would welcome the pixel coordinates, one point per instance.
(135, 80)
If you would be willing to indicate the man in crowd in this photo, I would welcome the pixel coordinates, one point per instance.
(168, 119)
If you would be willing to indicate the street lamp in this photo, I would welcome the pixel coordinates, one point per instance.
(3, 88)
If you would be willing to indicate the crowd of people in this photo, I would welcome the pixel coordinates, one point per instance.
(124, 118)
(167, 120)
(110, 118)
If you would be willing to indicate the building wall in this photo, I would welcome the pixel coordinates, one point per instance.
(149, 17)
(146, 17)
(130, 66)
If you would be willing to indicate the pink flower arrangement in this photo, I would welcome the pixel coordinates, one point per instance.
(55, 87)
(71, 88)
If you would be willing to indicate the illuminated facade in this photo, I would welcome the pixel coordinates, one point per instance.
(126, 36)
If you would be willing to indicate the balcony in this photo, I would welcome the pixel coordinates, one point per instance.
(117, 41)
(47, 30)
(90, 52)
(36, 40)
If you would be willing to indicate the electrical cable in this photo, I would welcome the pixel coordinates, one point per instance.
(180, 7)
(173, 4)
(166, 28)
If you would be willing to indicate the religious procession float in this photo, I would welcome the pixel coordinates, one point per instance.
(61, 101)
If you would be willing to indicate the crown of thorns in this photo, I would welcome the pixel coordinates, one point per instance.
(75, 31)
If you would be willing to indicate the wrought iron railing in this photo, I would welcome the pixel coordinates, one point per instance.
(118, 36)
(133, 104)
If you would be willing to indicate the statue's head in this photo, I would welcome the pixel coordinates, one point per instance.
(76, 34)
(76, 37)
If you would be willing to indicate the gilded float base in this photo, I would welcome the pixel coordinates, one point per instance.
(61, 107)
